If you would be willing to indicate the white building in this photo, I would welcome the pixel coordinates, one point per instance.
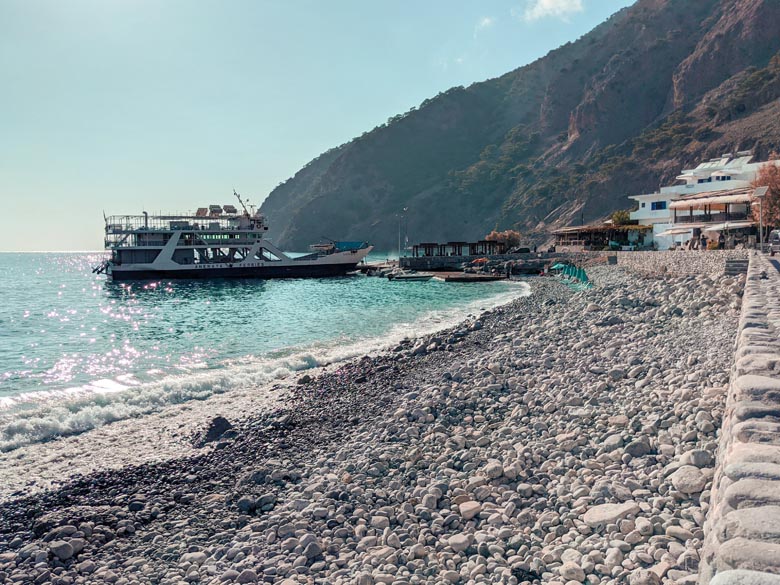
(653, 210)
(675, 223)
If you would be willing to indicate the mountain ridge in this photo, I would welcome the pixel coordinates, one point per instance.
(562, 139)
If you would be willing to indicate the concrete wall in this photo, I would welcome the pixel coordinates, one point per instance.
(455, 262)
(710, 262)
(742, 528)
(578, 257)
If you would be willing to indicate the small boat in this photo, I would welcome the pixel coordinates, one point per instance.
(410, 276)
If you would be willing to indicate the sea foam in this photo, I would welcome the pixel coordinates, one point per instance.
(44, 415)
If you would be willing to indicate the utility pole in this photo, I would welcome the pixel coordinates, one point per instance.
(759, 194)
(399, 240)
(400, 219)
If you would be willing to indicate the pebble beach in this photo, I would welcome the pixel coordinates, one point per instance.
(567, 437)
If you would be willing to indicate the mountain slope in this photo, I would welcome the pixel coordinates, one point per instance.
(566, 138)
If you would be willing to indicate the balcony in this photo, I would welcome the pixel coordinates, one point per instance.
(712, 217)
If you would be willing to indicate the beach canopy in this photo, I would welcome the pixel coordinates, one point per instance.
(675, 232)
(558, 266)
(572, 274)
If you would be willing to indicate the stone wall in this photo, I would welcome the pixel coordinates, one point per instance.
(456, 262)
(742, 529)
(710, 262)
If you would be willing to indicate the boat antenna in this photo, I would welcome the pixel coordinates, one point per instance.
(241, 201)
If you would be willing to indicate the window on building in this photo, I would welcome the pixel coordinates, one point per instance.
(658, 205)
(643, 204)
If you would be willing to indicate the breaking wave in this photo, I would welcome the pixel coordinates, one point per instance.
(44, 415)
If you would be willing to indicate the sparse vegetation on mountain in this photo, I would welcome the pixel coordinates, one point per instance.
(563, 140)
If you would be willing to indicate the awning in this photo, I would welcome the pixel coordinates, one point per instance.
(675, 232)
(602, 228)
(729, 225)
(715, 200)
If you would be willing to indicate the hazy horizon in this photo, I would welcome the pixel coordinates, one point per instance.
(127, 105)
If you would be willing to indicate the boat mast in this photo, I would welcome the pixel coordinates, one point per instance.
(241, 201)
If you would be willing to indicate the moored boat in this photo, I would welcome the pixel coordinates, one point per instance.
(410, 276)
(216, 242)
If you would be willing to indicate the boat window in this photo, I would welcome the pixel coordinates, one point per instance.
(267, 255)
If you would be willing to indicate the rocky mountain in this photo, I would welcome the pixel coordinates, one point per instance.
(653, 89)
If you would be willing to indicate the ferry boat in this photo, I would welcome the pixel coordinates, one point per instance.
(216, 242)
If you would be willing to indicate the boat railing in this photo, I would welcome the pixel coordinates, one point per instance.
(159, 243)
(120, 224)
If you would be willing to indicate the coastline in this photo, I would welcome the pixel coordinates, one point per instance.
(43, 464)
(33, 417)
(470, 441)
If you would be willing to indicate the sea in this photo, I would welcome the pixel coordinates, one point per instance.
(78, 351)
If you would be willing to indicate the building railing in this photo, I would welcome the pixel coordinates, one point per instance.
(711, 217)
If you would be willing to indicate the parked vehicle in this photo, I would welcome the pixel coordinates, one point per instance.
(774, 242)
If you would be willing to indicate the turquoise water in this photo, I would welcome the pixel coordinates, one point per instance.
(77, 351)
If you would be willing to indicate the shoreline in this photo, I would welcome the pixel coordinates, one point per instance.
(427, 455)
(55, 414)
(41, 464)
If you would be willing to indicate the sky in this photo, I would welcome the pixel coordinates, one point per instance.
(167, 105)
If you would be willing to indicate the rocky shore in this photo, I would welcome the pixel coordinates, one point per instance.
(564, 438)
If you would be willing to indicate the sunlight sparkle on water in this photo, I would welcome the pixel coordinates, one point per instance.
(78, 327)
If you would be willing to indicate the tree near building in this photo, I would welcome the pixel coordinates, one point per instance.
(511, 238)
(769, 176)
(620, 217)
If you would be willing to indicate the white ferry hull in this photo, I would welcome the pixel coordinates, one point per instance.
(119, 273)
(212, 245)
